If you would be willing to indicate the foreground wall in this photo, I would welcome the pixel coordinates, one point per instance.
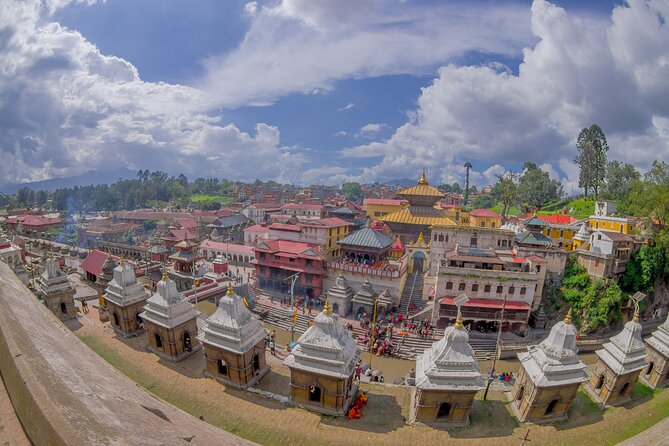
(65, 394)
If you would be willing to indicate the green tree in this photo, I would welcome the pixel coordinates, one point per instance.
(456, 188)
(506, 191)
(484, 202)
(352, 191)
(445, 188)
(536, 187)
(619, 179)
(591, 158)
(648, 199)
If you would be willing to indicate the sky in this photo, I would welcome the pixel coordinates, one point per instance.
(328, 91)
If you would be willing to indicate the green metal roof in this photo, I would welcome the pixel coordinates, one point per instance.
(367, 238)
(535, 221)
(534, 238)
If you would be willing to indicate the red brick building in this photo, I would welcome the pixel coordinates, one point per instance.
(277, 260)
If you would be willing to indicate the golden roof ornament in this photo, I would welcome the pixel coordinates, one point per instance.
(123, 261)
(231, 291)
(567, 318)
(421, 239)
(636, 314)
(423, 178)
(166, 275)
(326, 306)
(458, 321)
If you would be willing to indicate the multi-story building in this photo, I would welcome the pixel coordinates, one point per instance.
(278, 260)
(484, 218)
(258, 211)
(303, 211)
(606, 253)
(488, 278)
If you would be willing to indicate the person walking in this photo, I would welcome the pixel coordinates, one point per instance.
(357, 371)
(272, 348)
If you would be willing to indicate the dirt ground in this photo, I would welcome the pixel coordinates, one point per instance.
(267, 421)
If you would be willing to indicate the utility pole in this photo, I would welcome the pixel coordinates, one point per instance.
(494, 359)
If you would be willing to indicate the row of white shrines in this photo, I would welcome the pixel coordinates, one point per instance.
(323, 361)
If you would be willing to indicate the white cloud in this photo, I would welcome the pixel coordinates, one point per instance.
(66, 108)
(348, 106)
(370, 130)
(492, 173)
(251, 8)
(581, 71)
(302, 45)
(552, 173)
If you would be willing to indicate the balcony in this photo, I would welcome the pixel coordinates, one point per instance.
(389, 271)
(487, 273)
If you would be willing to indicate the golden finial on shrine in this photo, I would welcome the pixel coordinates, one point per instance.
(423, 178)
(122, 260)
(636, 314)
(231, 292)
(166, 275)
(567, 318)
(326, 306)
(421, 239)
(458, 321)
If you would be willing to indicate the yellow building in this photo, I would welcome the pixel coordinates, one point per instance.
(563, 235)
(622, 225)
(376, 208)
(484, 218)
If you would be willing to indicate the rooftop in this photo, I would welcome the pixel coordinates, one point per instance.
(367, 238)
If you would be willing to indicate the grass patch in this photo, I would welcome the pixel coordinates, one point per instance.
(585, 405)
(224, 200)
(642, 391)
(498, 208)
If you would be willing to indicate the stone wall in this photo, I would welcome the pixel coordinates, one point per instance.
(65, 394)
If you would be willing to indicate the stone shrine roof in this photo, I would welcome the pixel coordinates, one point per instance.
(659, 340)
(450, 363)
(53, 280)
(326, 348)
(555, 362)
(124, 290)
(232, 327)
(167, 307)
(626, 352)
(366, 294)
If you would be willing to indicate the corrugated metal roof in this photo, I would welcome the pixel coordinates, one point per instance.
(368, 238)
(421, 189)
(533, 238)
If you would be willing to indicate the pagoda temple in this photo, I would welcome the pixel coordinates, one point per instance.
(447, 378)
(657, 349)
(619, 365)
(549, 376)
(321, 366)
(170, 322)
(234, 343)
(420, 215)
(185, 260)
(125, 298)
(57, 290)
(340, 294)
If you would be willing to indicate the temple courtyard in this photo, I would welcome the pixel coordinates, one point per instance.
(266, 420)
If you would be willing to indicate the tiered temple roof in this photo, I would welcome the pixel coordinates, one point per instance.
(232, 327)
(450, 363)
(326, 348)
(626, 352)
(367, 238)
(124, 290)
(659, 340)
(365, 295)
(555, 362)
(421, 211)
(167, 307)
(53, 280)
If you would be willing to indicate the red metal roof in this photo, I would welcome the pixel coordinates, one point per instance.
(256, 228)
(488, 303)
(484, 213)
(557, 219)
(34, 220)
(94, 261)
(288, 247)
(310, 207)
(284, 227)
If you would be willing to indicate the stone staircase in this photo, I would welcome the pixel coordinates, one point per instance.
(411, 301)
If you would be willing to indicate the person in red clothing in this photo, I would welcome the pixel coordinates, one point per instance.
(357, 371)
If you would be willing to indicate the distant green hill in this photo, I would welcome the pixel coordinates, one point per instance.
(582, 208)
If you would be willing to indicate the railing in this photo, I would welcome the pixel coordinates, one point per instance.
(488, 273)
(490, 315)
(364, 269)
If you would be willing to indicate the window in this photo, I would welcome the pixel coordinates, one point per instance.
(441, 237)
(473, 242)
(512, 290)
(500, 289)
(222, 368)
(492, 225)
(483, 224)
(314, 394)
(486, 288)
(551, 407)
(435, 237)
(309, 262)
(446, 239)
(523, 290)
(475, 287)
(449, 285)
(462, 286)
(561, 233)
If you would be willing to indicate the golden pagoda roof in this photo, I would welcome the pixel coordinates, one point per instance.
(423, 188)
(418, 215)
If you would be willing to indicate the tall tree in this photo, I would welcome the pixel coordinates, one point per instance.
(648, 199)
(506, 191)
(591, 158)
(468, 166)
(352, 191)
(536, 187)
(619, 179)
